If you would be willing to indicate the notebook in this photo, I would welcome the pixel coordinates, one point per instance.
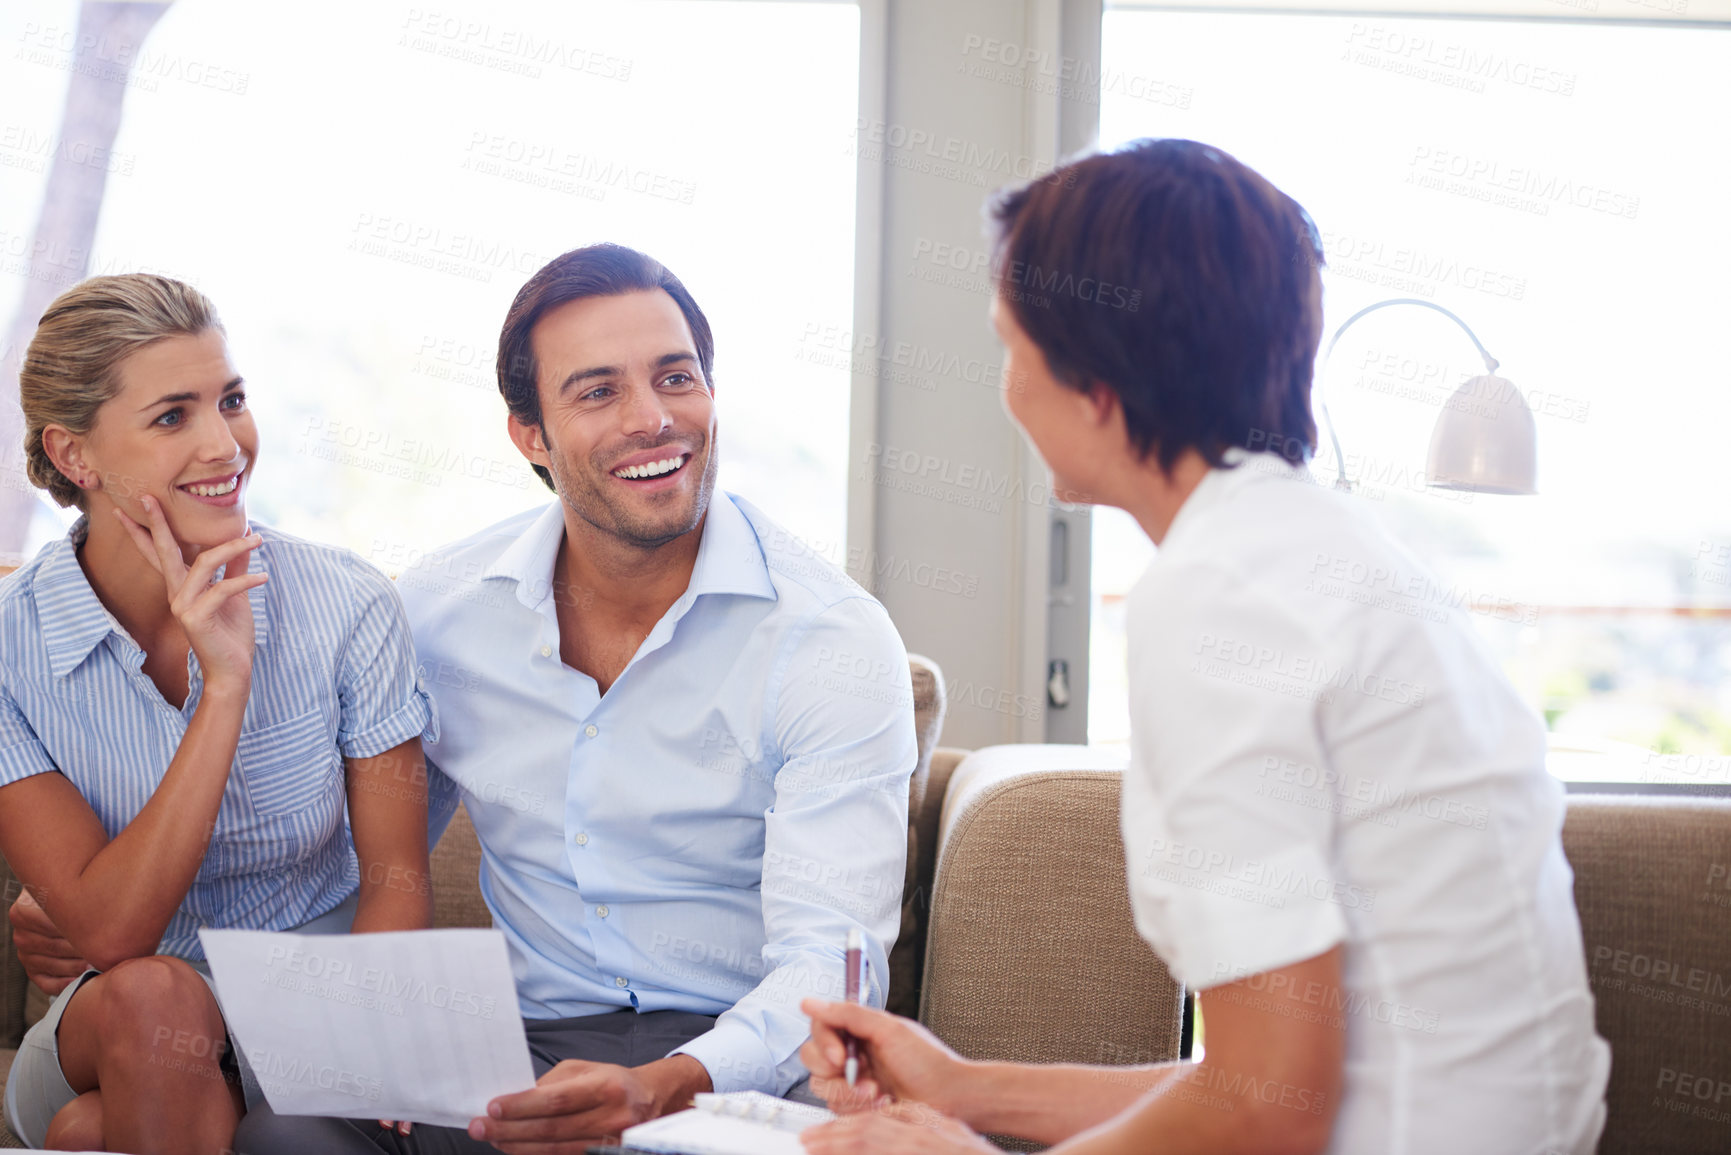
(741, 1123)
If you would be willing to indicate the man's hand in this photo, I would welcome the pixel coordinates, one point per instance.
(898, 1058)
(49, 960)
(579, 1103)
(895, 1129)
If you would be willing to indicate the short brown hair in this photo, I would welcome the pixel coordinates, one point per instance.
(604, 270)
(1180, 279)
(71, 367)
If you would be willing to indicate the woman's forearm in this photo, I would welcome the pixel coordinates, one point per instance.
(1269, 1083)
(388, 815)
(1051, 1103)
(122, 900)
(1210, 1111)
(397, 897)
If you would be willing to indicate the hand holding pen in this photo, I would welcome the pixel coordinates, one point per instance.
(891, 1057)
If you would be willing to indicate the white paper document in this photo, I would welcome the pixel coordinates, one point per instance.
(743, 1123)
(418, 1025)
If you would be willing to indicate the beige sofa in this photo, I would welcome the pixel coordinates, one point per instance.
(1017, 941)
(1031, 953)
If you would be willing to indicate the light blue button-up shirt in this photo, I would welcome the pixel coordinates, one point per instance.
(703, 836)
(333, 676)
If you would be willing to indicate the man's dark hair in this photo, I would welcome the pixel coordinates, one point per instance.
(1180, 279)
(604, 270)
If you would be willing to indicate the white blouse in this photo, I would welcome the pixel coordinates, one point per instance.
(1323, 753)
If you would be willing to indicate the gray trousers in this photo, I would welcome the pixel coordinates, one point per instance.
(623, 1037)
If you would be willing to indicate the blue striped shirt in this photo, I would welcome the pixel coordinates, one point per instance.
(333, 677)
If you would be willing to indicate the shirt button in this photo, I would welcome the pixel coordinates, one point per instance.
(620, 981)
(546, 651)
(581, 838)
(590, 731)
(601, 912)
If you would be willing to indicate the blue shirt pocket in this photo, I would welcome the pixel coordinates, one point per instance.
(289, 766)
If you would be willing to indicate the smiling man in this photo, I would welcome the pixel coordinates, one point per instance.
(685, 747)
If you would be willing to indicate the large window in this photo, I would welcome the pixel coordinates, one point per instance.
(1561, 187)
(362, 186)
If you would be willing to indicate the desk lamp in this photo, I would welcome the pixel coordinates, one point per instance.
(1484, 441)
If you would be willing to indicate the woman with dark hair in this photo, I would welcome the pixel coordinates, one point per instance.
(1337, 821)
(187, 702)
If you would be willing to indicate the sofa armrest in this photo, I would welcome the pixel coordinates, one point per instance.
(907, 954)
(945, 760)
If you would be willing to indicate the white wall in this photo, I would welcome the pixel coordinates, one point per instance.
(958, 99)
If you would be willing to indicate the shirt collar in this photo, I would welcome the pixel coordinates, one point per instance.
(1241, 468)
(77, 621)
(529, 559)
(729, 558)
(74, 620)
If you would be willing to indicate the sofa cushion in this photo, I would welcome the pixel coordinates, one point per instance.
(1032, 955)
(1652, 888)
(456, 869)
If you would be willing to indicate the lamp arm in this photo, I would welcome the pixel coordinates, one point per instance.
(1340, 481)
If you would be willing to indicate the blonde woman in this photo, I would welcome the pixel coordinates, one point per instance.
(187, 700)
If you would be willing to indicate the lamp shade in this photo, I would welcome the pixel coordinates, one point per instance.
(1485, 441)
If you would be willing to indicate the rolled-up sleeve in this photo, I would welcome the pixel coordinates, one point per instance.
(835, 841)
(1228, 824)
(382, 698)
(21, 751)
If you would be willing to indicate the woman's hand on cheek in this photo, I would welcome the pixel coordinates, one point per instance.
(216, 615)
